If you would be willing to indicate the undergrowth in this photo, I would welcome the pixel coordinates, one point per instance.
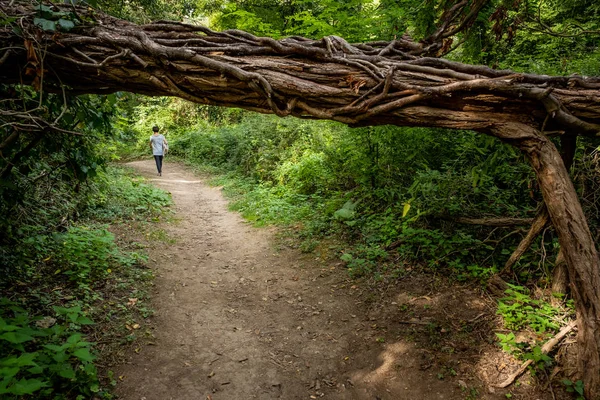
(76, 286)
(531, 321)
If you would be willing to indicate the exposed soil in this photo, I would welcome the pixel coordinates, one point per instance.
(239, 316)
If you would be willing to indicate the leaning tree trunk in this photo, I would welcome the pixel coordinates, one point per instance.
(356, 84)
(576, 241)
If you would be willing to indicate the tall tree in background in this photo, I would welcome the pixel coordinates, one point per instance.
(56, 48)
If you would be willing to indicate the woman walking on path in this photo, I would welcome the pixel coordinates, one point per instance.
(158, 144)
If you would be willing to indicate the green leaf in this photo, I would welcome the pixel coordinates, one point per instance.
(67, 372)
(346, 257)
(74, 338)
(43, 8)
(9, 372)
(36, 370)
(4, 327)
(60, 357)
(84, 355)
(66, 25)
(27, 386)
(56, 348)
(45, 24)
(7, 21)
(26, 359)
(16, 337)
(344, 213)
(405, 209)
(44, 11)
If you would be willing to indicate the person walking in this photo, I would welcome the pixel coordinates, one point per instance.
(158, 144)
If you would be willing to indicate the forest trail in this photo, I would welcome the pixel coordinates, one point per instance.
(237, 318)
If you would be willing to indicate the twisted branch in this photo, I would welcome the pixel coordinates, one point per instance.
(357, 84)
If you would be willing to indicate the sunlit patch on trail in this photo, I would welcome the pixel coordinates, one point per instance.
(390, 357)
(173, 180)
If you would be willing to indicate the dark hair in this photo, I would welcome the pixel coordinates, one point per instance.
(155, 128)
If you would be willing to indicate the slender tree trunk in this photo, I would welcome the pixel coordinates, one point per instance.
(576, 242)
(539, 223)
(560, 279)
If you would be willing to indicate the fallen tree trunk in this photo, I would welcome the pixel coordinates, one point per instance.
(362, 84)
(495, 221)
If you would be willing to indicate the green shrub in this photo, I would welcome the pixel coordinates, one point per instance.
(45, 357)
(307, 175)
(85, 254)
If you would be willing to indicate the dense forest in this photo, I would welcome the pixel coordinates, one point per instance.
(432, 193)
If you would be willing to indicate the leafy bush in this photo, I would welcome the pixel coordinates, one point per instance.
(45, 357)
(85, 254)
(57, 269)
(307, 175)
(266, 204)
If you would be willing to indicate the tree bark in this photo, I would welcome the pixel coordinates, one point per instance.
(560, 279)
(537, 226)
(492, 221)
(362, 84)
(560, 282)
(575, 239)
(567, 153)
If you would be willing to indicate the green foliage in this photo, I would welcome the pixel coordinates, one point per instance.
(38, 167)
(408, 184)
(347, 213)
(373, 186)
(45, 357)
(525, 351)
(537, 36)
(85, 254)
(355, 20)
(50, 20)
(57, 275)
(265, 204)
(507, 342)
(576, 388)
(534, 36)
(366, 261)
(519, 309)
(521, 312)
(388, 194)
(145, 11)
(540, 361)
(308, 172)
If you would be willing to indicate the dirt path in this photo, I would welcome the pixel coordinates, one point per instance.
(238, 319)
